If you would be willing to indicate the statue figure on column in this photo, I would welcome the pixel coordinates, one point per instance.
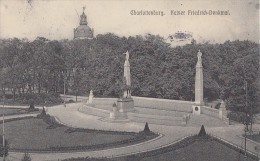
(199, 56)
(198, 85)
(126, 56)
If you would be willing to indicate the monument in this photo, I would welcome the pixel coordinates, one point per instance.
(223, 112)
(198, 86)
(90, 98)
(125, 103)
(127, 80)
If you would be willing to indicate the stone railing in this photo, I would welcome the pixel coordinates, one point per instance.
(153, 103)
(210, 111)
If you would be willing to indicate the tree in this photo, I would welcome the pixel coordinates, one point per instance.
(146, 128)
(157, 69)
(202, 132)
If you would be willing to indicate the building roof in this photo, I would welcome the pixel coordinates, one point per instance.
(83, 31)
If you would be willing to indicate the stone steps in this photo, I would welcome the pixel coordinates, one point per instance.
(150, 111)
(150, 117)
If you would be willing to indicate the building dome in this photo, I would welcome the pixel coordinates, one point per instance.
(83, 31)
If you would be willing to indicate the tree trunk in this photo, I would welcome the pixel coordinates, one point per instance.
(76, 95)
(23, 89)
(19, 92)
(39, 83)
(13, 94)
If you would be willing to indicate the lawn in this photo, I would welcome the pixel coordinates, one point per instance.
(34, 134)
(15, 111)
(193, 148)
(200, 151)
(255, 137)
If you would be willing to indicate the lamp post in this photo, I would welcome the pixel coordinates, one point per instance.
(246, 106)
(64, 87)
(74, 70)
(3, 137)
(3, 127)
(245, 144)
(246, 119)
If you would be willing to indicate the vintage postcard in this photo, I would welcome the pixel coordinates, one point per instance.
(147, 80)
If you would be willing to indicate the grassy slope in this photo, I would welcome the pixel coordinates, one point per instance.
(255, 137)
(200, 151)
(34, 134)
(15, 111)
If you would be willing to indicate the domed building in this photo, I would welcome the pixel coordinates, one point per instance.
(83, 31)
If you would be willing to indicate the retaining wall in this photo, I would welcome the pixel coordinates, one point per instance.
(163, 104)
(94, 111)
(160, 104)
(153, 103)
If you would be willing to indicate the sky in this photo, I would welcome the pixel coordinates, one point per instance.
(56, 19)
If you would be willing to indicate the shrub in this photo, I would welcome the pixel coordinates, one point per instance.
(43, 111)
(146, 128)
(42, 114)
(31, 107)
(71, 101)
(202, 132)
(218, 106)
(237, 116)
(39, 98)
(26, 157)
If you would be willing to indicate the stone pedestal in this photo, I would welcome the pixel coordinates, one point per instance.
(223, 112)
(116, 114)
(125, 104)
(196, 109)
(90, 99)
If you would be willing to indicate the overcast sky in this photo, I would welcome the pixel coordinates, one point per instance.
(55, 19)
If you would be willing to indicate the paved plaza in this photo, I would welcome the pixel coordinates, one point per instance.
(70, 116)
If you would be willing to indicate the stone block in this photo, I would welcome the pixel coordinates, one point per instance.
(125, 105)
(196, 109)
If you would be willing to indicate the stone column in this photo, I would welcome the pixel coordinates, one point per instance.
(198, 86)
(127, 74)
(199, 81)
(126, 103)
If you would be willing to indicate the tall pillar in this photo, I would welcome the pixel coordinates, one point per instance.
(127, 92)
(199, 81)
(198, 86)
(126, 103)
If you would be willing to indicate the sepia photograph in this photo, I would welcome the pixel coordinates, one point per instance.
(129, 80)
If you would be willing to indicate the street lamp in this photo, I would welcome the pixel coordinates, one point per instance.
(64, 87)
(247, 119)
(74, 71)
(3, 137)
(3, 127)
